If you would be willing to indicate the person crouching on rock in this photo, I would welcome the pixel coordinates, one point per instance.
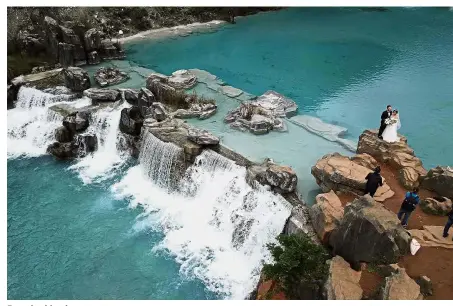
(408, 206)
(373, 181)
(449, 223)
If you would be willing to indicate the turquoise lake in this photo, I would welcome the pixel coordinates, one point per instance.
(70, 238)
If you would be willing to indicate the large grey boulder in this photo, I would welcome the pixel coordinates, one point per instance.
(131, 96)
(145, 100)
(368, 232)
(76, 122)
(60, 150)
(260, 125)
(63, 134)
(202, 137)
(159, 112)
(282, 179)
(100, 95)
(439, 180)
(92, 39)
(131, 121)
(76, 79)
(85, 143)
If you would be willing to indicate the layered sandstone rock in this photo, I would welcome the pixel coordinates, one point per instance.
(343, 282)
(397, 154)
(326, 214)
(399, 286)
(340, 173)
(436, 206)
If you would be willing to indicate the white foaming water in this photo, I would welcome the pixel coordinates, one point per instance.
(106, 159)
(31, 124)
(159, 159)
(219, 232)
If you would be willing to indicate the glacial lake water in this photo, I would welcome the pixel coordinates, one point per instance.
(70, 237)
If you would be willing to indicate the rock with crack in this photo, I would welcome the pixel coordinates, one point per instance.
(341, 174)
(397, 154)
(439, 180)
(326, 214)
(131, 96)
(145, 100)
(63, 134)
(365, 160)
(102, 95)
(342, 282)
(436, 206)
(76, 79)
(182, 79)
(399, 286)
(131, 121)
(202, 137)
(368, 232)
(108, 76)
(76, 122)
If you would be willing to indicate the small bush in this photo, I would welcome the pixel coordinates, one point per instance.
(300, 266)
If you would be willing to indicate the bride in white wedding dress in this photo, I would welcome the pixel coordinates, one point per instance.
(390, 133)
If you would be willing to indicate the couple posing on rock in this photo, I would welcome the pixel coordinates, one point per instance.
(374, 180)
(390, 124)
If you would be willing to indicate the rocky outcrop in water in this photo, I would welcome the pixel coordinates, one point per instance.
(62, 134)
(182, 79)
(397, 154)
(343, 282)
(145, 100)
(76, 79)
(76, 122)
(263, 114)
(202, 137)
(110, 76)
(131, 121)
(326, 214)
(85, 143)
(342, 174)
(101, 95)
(439, 180)
(281, 179)
(368, 232)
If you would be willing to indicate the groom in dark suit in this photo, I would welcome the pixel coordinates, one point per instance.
(385, 114)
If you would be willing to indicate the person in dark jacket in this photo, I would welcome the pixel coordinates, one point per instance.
(385, 115)
(449, 223)
(408, 206)
(373, 181)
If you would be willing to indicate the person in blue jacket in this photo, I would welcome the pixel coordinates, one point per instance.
(449, 223)
(408, 206)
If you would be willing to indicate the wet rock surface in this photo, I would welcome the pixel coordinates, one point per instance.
(76, 79)
(110, 76)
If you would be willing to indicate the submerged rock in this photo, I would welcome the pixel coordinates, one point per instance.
(343, 281)
(85, 144)
(368, 232)
(109, 76)
(439, 180)
(182, 79)
(76, 79)
(62, 150)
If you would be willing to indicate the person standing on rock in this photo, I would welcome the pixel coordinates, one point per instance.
(373, 181)
(385, 115)
(408, 206)
(449, 223)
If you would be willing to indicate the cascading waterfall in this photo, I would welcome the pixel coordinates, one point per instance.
(159, 160)
(31, 124)
(219, 232)
(100, 165)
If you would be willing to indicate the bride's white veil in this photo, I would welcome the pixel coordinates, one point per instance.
(398, 125)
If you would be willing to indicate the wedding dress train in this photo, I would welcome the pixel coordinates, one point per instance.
(390, 133)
